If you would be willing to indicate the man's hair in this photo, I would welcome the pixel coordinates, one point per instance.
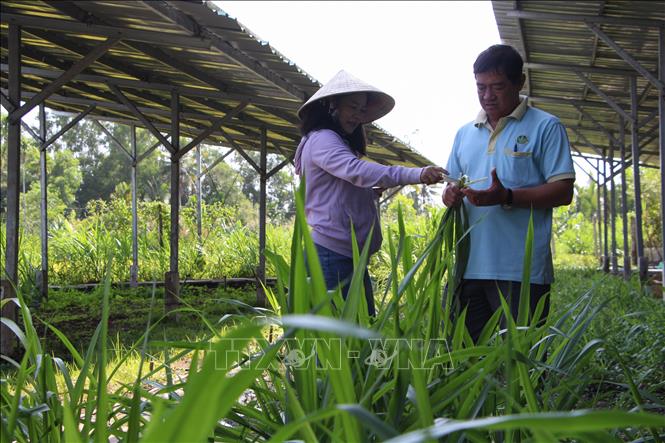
(317, 116)
(503, 59)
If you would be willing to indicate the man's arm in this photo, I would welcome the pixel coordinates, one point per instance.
(547, 195)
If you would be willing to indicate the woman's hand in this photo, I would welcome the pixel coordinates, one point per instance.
(432, 174)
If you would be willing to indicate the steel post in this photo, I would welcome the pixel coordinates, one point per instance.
(624, 202)
(134, 270)
(641, 261)
(661, 144)
(606, 260)
(172, 280)
(613, 211)
(42, 280)
(261, 271)
(9, 286)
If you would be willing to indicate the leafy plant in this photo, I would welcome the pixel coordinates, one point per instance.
(317, 368)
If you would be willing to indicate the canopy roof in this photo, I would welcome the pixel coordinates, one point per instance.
(143, 51)
(580, 58)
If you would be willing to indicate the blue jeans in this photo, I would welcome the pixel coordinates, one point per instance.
(338, 269)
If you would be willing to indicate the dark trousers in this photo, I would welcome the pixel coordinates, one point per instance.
(338, 269)
(481, 298)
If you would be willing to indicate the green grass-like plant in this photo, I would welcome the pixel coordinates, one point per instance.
(315, 367)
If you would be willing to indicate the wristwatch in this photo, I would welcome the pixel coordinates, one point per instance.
(508, 204)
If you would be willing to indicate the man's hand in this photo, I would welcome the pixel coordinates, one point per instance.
(452, 196)
(496, 194)
(432, 174)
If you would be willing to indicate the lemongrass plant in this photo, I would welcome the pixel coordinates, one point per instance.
(317, 368)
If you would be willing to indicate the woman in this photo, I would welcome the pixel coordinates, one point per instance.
(339, 184)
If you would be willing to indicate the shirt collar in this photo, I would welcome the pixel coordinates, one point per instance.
(517, 114)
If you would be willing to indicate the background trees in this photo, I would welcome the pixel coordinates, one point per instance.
(86, 165)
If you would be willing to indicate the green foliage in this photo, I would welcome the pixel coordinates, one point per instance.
(651, 204)
(78, 248)
(317, 368)
(576, 231)
(633, 328)
(78, 313)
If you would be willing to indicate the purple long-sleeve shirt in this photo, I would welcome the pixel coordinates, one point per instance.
(339, 190)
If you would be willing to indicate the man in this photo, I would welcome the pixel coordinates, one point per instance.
(525, 153)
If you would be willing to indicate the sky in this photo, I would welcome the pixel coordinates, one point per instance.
(421, 53)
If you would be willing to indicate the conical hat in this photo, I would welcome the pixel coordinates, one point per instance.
(378, 102)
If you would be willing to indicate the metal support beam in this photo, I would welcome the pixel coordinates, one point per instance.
(149, 150)
(32, 133)
(520, 31)
(244, 155)
(10, 107)
(146, 122)
(572, 68)
(597, 124)
(42, 277)
(134, 270)
(72, 72)
(606, 254)
(627, 57)
(624, 202)
(8, 340)
(261, 270)
(157, 86)
(661, 144)
(612, 104)
(641, 262)
(613, 211)
(279, 167)
(213, 127)
(588, 174)
(646, 120)
(585, 103)
(242, 125)
(199, 193)
(217, 161)
(584, 157)
(595, 148)
(599, 214)
(68, 126)
(154, 37)
(117, 142)
(172, 280)
(637, 22)
(171, 11)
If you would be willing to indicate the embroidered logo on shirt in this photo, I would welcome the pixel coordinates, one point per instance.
(522, 139)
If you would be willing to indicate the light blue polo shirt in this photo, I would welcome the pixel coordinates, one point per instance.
(528, 148)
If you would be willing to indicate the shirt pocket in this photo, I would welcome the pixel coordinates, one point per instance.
(517, 168)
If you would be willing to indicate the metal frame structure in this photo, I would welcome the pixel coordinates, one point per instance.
(600, 67)
(176, 68)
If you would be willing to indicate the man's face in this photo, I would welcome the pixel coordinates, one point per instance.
(497, 95)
